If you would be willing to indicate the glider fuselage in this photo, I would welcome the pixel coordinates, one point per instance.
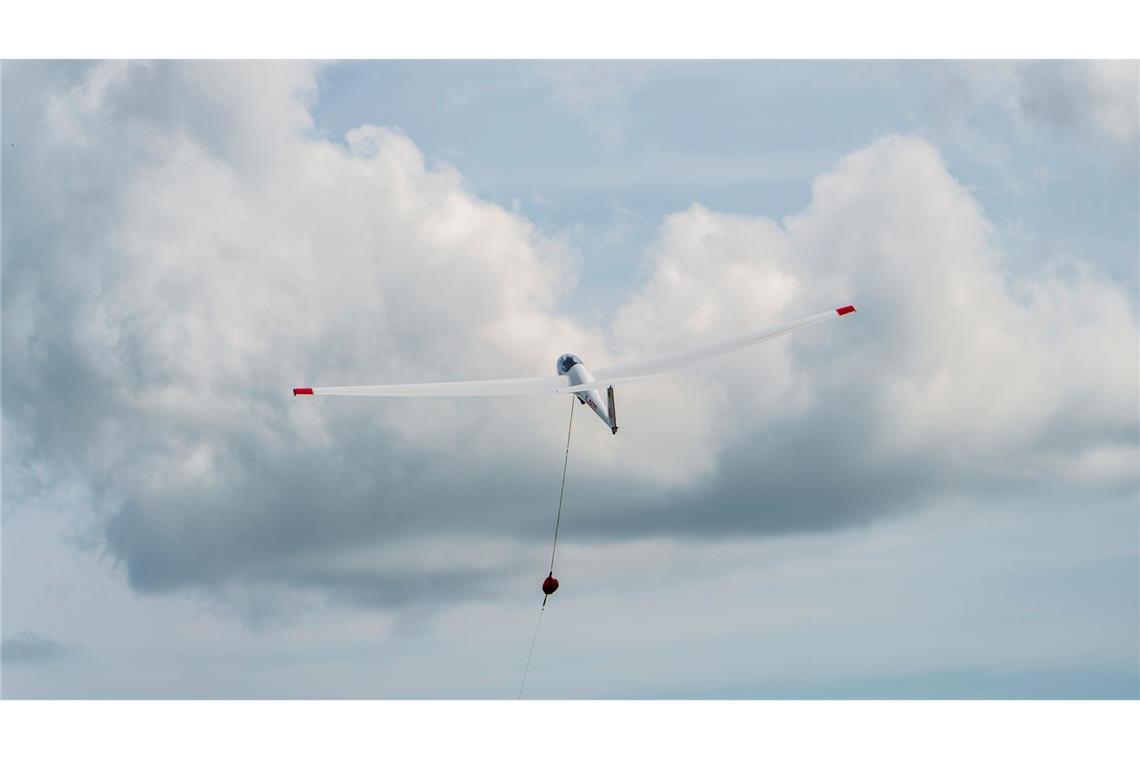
(577, 373)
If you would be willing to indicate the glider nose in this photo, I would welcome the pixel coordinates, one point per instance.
(550, 585)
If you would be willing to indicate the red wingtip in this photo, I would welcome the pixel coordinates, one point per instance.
(302, 391)
(844, 310)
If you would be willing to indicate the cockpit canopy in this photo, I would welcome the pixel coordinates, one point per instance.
(565, 362)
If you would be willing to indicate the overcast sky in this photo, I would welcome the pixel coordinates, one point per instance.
(935, 498)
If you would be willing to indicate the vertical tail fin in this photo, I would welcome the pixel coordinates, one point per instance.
(612, 409)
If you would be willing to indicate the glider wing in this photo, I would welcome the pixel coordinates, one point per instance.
(623, 372)
(523, 386)
(643, 369)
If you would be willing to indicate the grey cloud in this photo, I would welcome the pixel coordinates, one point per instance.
(30, 648)
(1099, 99)
(1095, 102)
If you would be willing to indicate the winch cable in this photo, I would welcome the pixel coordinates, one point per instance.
(531, 653)
(562, 490)
(554, 548)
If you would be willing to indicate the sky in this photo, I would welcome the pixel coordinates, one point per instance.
(936, 498)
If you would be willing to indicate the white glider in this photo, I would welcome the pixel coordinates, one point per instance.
(574, 377)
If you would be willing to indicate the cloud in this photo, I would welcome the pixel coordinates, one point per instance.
(150, 341)
(598, 93)
(968, 599)
(30, 648)
(1098, 99)
(1096, 102)
(180, 250)
(955, 376)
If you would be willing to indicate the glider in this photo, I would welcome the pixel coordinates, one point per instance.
(574, 377)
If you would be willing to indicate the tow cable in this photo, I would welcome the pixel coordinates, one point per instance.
(550, 583)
